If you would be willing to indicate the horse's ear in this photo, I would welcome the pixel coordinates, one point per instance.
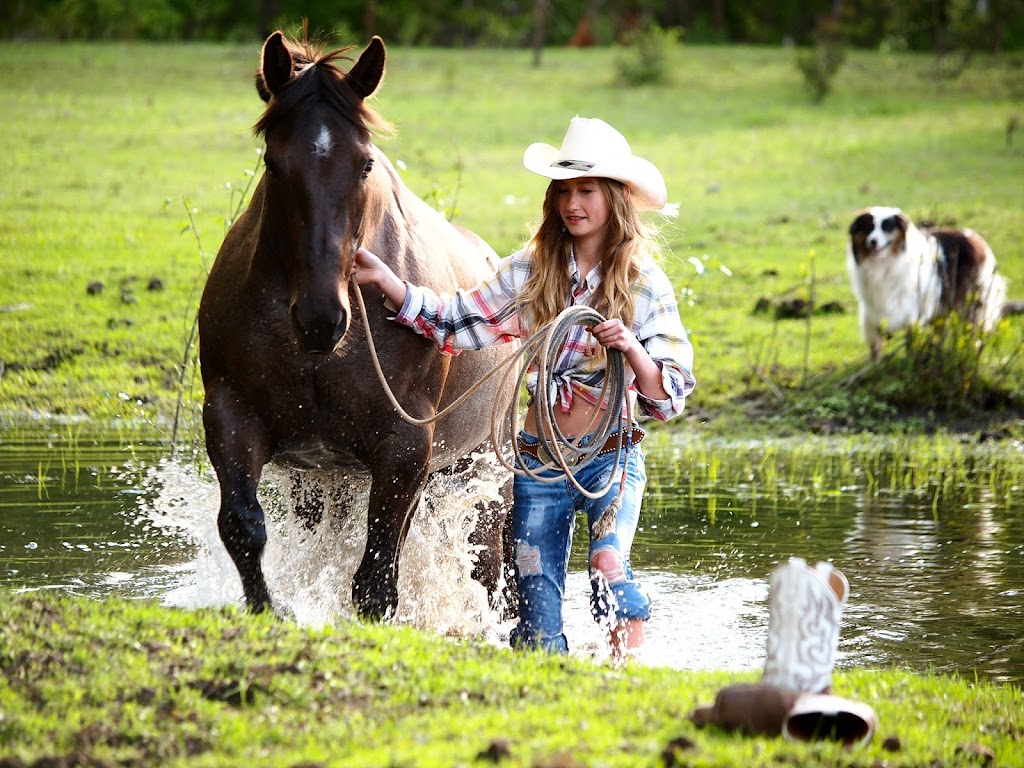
(275, 66)
(366, 74)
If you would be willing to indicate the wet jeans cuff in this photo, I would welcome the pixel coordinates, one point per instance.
(627, 600)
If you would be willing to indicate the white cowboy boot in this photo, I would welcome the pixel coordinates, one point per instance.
(816, 716)
(794, 695)
(805, 605)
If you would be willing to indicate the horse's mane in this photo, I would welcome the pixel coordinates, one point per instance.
(317, 78)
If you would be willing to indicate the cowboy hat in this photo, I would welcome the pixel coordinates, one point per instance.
(591, 147)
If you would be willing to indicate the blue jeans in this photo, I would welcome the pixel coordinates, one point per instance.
(543, 515)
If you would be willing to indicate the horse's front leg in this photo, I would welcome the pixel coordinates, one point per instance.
(399, 472)
(239, 447)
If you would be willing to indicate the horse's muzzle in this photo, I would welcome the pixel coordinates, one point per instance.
(319, 334)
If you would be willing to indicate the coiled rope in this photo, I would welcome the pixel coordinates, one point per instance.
(566, 454)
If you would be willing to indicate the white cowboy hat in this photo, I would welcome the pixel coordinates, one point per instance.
(591, 147)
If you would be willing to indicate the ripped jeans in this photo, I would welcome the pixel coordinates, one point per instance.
(543, 516)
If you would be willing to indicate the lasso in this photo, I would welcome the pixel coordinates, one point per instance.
(566, 454)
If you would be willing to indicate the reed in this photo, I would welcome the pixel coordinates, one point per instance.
(813, 470)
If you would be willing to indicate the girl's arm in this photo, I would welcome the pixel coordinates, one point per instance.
(656, 347)
(368, 269)
(613, 334)
(467, 319)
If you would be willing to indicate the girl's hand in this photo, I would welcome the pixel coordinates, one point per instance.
(368, 269)
(613, 334)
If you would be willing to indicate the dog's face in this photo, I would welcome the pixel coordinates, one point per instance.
(876, 231)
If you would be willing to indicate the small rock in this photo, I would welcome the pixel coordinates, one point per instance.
(976, 751)
(670, 755)
(892, 744)
(496, 751)
(792, 309)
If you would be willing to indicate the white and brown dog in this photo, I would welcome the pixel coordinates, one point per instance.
(904, 276)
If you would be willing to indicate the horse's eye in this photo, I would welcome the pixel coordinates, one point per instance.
(366, 169)
(270, 165)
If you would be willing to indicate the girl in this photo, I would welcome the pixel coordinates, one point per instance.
(591, 249)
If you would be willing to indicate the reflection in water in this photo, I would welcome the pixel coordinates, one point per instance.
(924, 536)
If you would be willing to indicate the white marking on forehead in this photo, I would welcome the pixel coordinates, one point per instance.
(884, 211)
(324, 143)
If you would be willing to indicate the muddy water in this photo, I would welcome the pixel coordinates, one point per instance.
(932, 546)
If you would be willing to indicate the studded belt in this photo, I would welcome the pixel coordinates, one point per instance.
(610, 445)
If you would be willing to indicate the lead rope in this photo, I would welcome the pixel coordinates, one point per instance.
(543, 348)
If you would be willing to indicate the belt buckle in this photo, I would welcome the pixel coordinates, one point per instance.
(545, 457)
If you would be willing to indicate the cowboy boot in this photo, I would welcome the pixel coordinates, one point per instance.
(803, 632)
(816, 716)
(805, 605)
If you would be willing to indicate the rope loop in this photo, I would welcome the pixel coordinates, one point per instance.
(541, 350)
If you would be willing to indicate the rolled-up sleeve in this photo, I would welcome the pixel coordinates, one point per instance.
(661, 332)
(468, 319)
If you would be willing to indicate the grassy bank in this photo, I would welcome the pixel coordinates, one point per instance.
(124, 162)
(130, 683)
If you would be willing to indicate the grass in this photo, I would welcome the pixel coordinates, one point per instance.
(133, 683)
(124, 163)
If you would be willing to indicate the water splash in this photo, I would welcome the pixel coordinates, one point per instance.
(316, 526)
(317, 534)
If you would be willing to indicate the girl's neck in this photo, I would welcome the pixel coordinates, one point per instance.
(587, 255)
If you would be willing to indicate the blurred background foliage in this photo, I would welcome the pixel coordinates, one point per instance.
(943, 26)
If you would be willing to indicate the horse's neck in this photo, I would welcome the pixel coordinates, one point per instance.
(398, 218)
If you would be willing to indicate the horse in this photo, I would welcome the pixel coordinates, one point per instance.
(287, 377)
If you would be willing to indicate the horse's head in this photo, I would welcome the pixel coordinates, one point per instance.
(319, 157)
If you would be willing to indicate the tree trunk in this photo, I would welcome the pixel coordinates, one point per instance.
(584, 34)
(538, 31)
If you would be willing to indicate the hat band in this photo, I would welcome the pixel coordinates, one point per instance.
(573, 165)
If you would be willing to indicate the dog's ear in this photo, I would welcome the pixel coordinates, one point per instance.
(902, 222)
(863, 224)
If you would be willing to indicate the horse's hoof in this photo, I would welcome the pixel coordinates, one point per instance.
(376, 611)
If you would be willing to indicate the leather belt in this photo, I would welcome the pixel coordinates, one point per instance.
(610, 445)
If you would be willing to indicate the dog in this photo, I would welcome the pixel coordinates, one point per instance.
(905, 276)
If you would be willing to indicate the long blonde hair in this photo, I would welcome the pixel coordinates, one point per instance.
(628, 243)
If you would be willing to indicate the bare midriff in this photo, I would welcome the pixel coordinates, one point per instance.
(581, 418)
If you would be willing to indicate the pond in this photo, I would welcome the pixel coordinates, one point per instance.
(928, 532)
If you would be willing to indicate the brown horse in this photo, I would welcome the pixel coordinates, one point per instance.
(286, 381)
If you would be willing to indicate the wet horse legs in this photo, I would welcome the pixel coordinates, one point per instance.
(239, 465)
(399, 472)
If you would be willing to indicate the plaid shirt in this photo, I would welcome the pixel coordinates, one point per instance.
(486, 315)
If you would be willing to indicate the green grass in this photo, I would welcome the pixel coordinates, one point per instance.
(131, 683)
(107, 146)
(122, 164)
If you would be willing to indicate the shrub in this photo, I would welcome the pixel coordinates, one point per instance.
(819, 66)
(950, 367)
(115, 20)
(646, 54)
